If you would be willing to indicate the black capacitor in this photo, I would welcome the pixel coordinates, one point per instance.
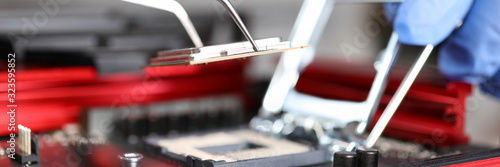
(344, 159)
(367, 158)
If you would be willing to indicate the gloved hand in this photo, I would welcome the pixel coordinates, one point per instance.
(469, 53)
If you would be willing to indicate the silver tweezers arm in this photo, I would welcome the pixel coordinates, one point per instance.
(175, 8)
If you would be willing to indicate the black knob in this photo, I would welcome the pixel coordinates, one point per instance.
(367, 158)
(344, 159)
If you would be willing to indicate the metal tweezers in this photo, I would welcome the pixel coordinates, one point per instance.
(230, 9)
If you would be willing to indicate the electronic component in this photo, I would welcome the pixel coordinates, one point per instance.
(360, 158)
(208, 54)
(367, 158)
(475, 158)
(27, 152)
(242, 147)
(345, 159)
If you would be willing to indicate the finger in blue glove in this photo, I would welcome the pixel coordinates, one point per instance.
(422, 22)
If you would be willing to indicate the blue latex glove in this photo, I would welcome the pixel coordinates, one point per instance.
(471, 53)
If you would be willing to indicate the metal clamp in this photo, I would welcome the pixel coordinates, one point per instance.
(281, 94)
(398, 97)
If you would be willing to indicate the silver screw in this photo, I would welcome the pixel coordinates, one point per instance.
(130, 159)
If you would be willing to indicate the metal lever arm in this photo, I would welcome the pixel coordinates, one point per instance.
(398, 97)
